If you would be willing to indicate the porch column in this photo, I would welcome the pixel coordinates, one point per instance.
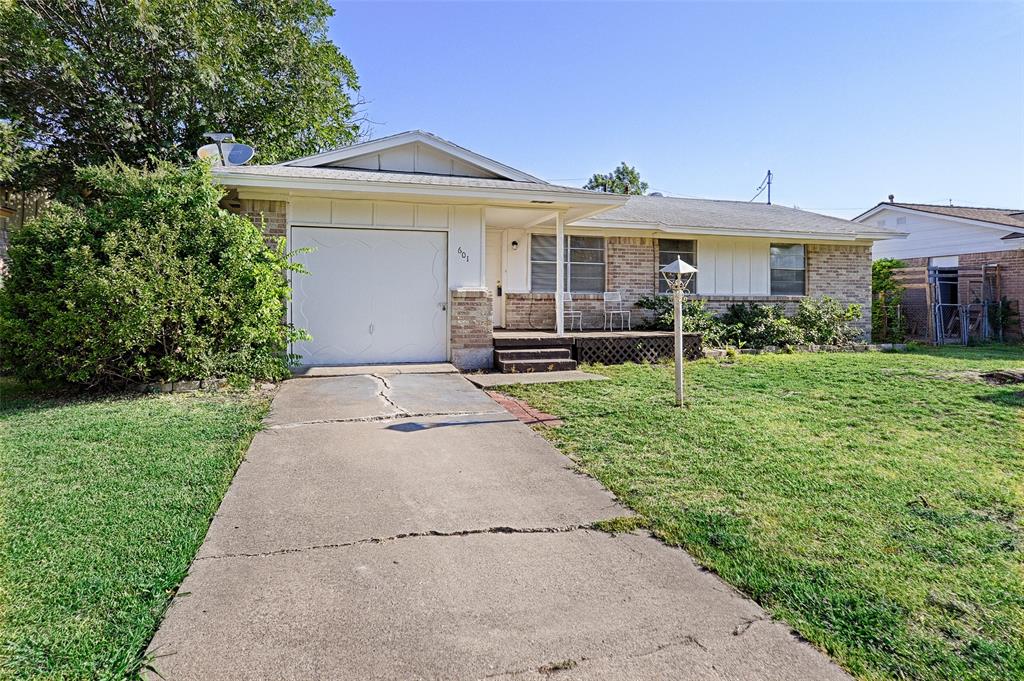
(559, 271)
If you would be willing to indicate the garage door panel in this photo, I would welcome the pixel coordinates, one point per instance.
(371, 296)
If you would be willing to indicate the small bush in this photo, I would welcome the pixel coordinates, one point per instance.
(696, 318)
(145, 279)
(758, 326)
(826, 322)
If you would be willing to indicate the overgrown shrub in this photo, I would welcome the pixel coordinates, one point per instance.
(758, 326)
(752, 325)
(826, 322)
(696, 318)
(146, 278)
(887, 324)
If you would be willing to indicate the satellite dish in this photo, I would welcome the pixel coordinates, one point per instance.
(208, 151)
(226, 153)
(236, 154)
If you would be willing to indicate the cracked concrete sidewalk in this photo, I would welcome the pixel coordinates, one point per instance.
(406, 526)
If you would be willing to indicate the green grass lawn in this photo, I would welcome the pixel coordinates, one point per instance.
(103, 504)
(874, 501)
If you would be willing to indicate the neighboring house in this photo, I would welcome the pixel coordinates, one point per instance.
(422, 247)
(972, 254)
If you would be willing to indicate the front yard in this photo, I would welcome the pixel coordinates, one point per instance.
(873, 501)
(103, 504)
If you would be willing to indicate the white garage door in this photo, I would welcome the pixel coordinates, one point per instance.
(371, 296)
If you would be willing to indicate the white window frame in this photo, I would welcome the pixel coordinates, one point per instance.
(772, 268)
(568, 261)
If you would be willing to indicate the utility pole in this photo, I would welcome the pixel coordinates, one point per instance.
(769, 187)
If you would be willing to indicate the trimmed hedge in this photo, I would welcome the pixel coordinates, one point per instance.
(144, 278)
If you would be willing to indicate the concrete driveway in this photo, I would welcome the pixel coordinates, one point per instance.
(406, 526)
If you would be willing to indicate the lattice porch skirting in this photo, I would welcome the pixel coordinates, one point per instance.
(599, 349)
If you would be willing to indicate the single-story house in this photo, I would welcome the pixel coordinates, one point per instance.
(971, 255)
(420, 248)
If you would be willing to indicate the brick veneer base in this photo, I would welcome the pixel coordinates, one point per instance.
(472, 341)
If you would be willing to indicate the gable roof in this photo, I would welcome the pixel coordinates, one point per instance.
(338, 156)
(729, 217)
(1006, 217)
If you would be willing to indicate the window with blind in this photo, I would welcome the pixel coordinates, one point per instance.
(788, 270)
(584, 263)
(668, 251)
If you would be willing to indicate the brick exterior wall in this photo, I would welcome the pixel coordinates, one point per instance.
(632, 271)
(272, 216)
(1011, 281)
(844, 273)
(472, 342)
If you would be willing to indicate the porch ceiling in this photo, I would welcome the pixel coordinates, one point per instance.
(505, 217)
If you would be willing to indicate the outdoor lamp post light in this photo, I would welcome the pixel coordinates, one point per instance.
(678, 275)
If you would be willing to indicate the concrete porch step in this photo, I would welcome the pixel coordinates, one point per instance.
(533, 353)
(527, 341)
(527, 366)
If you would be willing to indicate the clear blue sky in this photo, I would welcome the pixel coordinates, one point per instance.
(845, 102)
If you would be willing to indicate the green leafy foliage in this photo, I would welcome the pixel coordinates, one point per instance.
(887, 324)
(89, 81)
(1001, 316)
(826, 322)
(822, 322)
(149, 279)
(758, 326)
(696, 318)
(623, 180)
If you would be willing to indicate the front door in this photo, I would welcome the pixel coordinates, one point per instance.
(495, 275)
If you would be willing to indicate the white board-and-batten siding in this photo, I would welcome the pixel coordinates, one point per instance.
(733, 266)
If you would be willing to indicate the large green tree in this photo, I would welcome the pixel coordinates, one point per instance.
(623, 180)
(83, 81)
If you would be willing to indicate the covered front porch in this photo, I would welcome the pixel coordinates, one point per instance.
(532, 259)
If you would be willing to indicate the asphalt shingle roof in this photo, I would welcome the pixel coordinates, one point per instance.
(671, 212)
(1000, 216)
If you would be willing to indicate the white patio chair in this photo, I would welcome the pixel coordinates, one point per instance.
(569, 313)
(613, 306)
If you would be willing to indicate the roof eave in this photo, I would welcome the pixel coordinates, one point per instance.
(866, 235)
(253, 180)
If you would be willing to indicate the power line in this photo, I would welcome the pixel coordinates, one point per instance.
(766, 183)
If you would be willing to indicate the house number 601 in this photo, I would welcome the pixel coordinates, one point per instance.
(463, 254)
